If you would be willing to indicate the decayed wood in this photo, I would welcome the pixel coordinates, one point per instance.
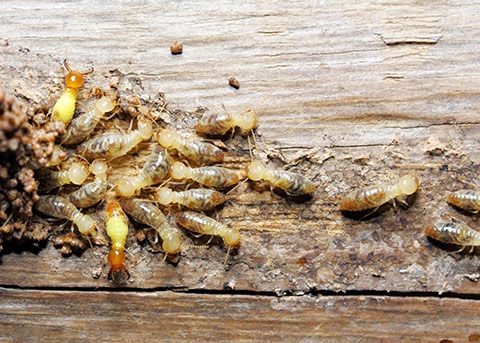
(349, 93)
(173, 317)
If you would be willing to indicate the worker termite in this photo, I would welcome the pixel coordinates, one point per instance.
(465, 199)
(147, 213)
(199, 199)
(113, 145)
(217, 177)
(154, 170)
(454, 233)
(372, 197)
(220, 123)
(49, 179)
(92, 192)
(82, 126)
(293, 184)
(200, 153)
(117, 229)
(59, 207)
(65, 106)
(200, 223)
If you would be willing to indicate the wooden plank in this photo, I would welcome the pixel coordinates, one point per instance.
(354, 94)
(170, 317)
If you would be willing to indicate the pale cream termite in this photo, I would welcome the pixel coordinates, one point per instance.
(117, 229)
(293, 184)
(154, 170)
(64, 108)
(372, 197)
(217, 177)
(468, 200)
(147, 213)
(60, 207)
(221, 123)
(454, 233)
(200, 223)
(113, 145)
(49, 179)
(198, 152)
(199, 199)
(81, 127)
(91, 193)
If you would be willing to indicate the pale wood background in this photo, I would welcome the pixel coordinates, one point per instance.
(351, 93)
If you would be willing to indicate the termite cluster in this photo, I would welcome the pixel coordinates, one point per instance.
(179, 185)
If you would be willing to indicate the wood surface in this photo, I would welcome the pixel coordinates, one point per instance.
(349, 93)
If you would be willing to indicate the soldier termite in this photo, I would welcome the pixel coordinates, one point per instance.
(217, 177)
(372, 197)
(199, 199)
(200, 153)
(113, 145)
(220, 123)
(454, 233)
(293, 184)
(65, 106)
(117, 229)
(154, 170)
(147, 213)
(82, 126)
(200, 223)
(92, 192)
(59, 207)
(465, 199)
(49, 179)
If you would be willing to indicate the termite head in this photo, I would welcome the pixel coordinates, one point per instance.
(247, 121)
(171, 244)
(164, 195)
(98, 167)
(145, 129)
(256, 170)
(126, 188)
(78, 173)
(232, 237)
(178, 170)
(74, 78)
(86, 224)
(116, 259)
(165, 137)
(408, 184)
(105, 104)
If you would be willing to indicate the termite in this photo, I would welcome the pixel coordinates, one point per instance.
(92, 192)
(117, 229)
(468, 200)
(147, 213)
(217, 177)
(200, 223)
(200, 153)
(293, 184)
(82, 126)
(454, 233)
(199, 199)
(113, 145)
(221, 123)
(372, 197)
(65, 106)
(59, 207)
(49, 179)
(154, 170)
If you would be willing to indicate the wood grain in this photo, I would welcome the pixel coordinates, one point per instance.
(350, 93)
(172, 317)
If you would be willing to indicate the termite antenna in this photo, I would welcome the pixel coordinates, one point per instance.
(226, 257)
(164, 258)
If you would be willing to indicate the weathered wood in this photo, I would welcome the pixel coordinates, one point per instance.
(350, 93)
(172, 317)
